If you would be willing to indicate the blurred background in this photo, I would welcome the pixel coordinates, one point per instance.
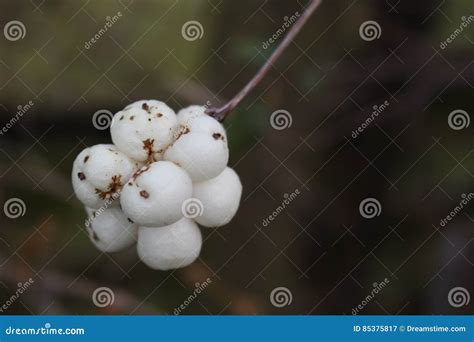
(362, 231)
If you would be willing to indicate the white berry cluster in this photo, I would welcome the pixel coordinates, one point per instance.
(163, 173)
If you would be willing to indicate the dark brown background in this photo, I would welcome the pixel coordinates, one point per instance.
(320, 247)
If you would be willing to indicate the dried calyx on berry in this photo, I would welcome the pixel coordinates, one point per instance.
(98, 174)
(144, 129)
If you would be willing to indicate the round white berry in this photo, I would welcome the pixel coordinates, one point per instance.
(194, 119)
(220, 198)
(206, 124)
(170, 247)
(155, 194)
(144, 129)
(188, 114)
(110, 230)
(202, 155)
(140, 103)
(98, 174)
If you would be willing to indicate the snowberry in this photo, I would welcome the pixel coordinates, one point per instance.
(139, 103)
(110, 230)
(220, 197)
(188, 114)
(144, 129)
(206, 124)
(170, 247)
(194, 119)
(158, 200)
(155, 194)
(98, 174)
(202, 155)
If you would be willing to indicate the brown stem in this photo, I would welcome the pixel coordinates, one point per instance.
(221, 113)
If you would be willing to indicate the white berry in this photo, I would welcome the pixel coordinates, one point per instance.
(144, 129)
(206, 124)
(188, 114)
(98, 174)
(194, 119)
(139, 103)
(110, 230)
(155, 194)
(220, 198)
(202, 155)
(169, 247)
(168, 172)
